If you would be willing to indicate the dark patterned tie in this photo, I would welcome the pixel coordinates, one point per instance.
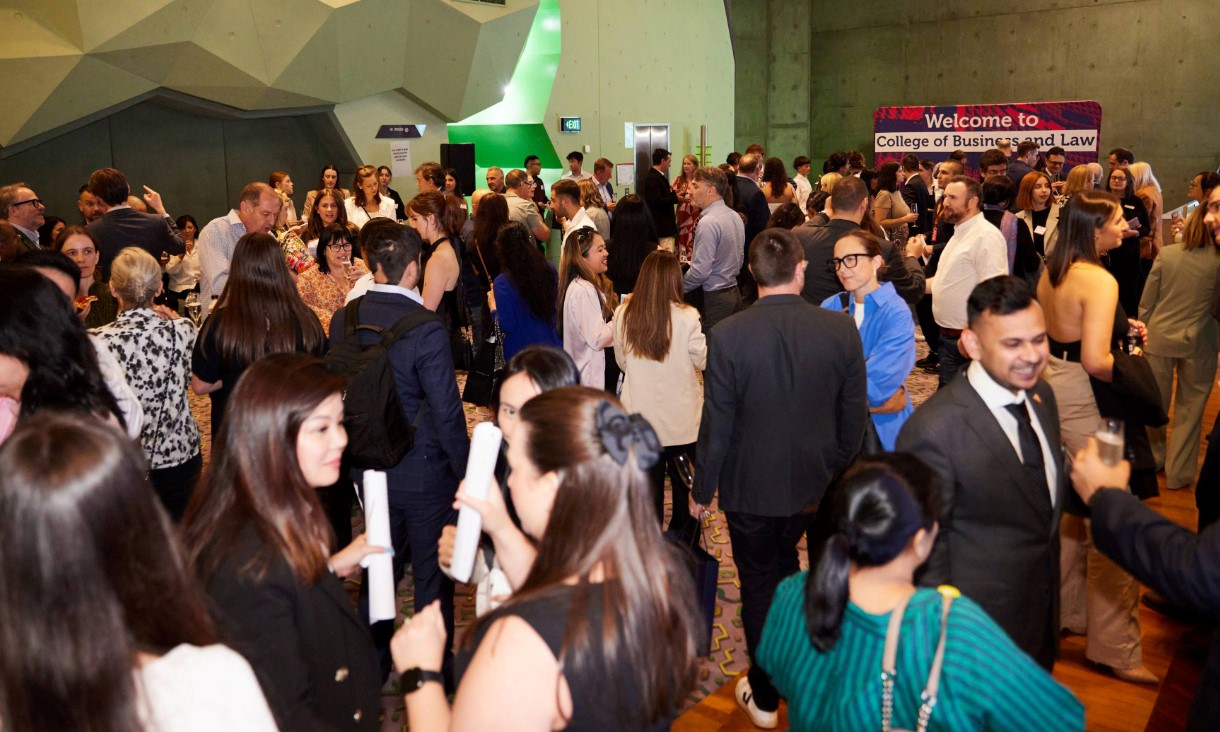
(1031, 449)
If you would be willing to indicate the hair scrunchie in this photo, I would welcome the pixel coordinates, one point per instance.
(619, 432)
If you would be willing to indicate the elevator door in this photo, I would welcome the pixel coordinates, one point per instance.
(647, 138)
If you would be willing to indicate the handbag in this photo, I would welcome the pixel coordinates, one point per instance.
(704, 569)
(487, 368)
(889, 660)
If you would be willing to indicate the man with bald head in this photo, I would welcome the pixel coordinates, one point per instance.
(256, 211)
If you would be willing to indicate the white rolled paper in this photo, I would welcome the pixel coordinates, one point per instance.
(377, 533)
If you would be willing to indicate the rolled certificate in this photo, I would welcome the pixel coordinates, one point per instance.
(377, 533)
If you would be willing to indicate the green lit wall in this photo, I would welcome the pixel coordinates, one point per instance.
(615, 61)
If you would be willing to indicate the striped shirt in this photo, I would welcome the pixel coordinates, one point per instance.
(987, 682)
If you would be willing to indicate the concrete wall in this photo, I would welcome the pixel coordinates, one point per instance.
(811, 72)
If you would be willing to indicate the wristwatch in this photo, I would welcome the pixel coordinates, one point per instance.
(413, 679)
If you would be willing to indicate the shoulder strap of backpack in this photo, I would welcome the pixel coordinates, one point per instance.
(351, 318)
(406, 323)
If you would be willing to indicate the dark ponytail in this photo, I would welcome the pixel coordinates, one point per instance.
(882, 503)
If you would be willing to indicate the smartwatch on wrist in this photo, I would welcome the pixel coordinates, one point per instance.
(413, 679)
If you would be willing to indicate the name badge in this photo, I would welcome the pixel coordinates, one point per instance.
(1130, 207)
(1039, 230)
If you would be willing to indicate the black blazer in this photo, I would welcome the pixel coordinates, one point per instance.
(917, 196)
(784, 406)
(661, 201)
(819, 244)
(313, 656)
(127, 227)
(1181, 565)
(749, 200)
(999, 534)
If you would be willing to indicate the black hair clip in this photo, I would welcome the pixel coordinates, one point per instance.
(619, 432)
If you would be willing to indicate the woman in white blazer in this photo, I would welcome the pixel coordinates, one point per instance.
(586, 305)
(659, 344)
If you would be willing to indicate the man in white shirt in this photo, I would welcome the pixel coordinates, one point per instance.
(803, 187)
(256, 211)
(977, 252)
(993, 440)
(575, 160)
(565, 196)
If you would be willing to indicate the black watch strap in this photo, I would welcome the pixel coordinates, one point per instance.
(413, 679)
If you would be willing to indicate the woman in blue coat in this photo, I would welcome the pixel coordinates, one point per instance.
(886, 329)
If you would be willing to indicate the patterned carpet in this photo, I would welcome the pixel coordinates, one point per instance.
(728, 655)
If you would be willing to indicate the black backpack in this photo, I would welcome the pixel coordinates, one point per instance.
(378, 435)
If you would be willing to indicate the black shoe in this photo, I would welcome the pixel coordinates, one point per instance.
(932, 368)
(930, 359)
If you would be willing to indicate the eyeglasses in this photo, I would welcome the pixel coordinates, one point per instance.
(850, 261)
(342, 247)
(37, 203)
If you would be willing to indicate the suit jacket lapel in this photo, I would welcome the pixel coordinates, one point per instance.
(978, 417)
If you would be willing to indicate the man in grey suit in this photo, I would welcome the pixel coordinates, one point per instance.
(783, 414)
(993, 437)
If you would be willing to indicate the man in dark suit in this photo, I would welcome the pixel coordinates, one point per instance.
(122, 226)
(783, 414)
(749, 201)
(421, 486)
(1174, 561)
(993, 437)
(917, 196)
(848, 203)
(661, 199)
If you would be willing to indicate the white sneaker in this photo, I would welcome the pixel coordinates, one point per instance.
(745, 700)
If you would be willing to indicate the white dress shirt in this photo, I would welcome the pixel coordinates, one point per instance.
(997, 399)
(976, 252)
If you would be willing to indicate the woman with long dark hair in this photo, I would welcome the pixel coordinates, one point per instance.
(826, 634)
(524, 294)
(775, 185)
(480, 262)
(328, 179)
(633, 236)
(257, 538)
(586, 305)
(1085, 322)
(889, 208)
(155, 353)
(47, 360)
(660, 346)
(600, 630)
(259, 313)
(101, 626)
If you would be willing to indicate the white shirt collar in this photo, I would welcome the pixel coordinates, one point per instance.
(118, 207)
(993, 395)
(31, 235)
(396, 290)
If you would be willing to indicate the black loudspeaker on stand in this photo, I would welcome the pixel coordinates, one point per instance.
(460, 157)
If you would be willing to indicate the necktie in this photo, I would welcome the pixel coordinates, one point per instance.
(1031, 449)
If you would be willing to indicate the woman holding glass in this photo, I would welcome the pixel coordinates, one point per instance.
(688, 213)
(1084, 323)
(324, 286)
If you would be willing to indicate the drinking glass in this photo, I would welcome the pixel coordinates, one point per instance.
(1109, 436)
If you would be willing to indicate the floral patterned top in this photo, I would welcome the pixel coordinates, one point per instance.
(296, 254)
(688, 215)
(323, 294)
(156, 357)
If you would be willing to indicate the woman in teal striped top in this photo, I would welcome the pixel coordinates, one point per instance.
(826, 631)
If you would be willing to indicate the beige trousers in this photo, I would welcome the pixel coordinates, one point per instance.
(1096, 596)
(1195, 374)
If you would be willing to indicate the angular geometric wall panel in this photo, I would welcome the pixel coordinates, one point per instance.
(69, 59)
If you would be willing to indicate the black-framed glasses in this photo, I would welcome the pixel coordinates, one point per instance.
(37, 203)
(344, 247)
(834, 264)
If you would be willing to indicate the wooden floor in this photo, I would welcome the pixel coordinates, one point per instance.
(1111, 705)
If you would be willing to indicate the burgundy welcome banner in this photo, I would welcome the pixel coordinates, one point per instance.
(934, 132)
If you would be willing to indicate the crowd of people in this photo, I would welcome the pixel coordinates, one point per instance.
(692, 331)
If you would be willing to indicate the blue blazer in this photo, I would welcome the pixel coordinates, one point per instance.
(423, 371)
